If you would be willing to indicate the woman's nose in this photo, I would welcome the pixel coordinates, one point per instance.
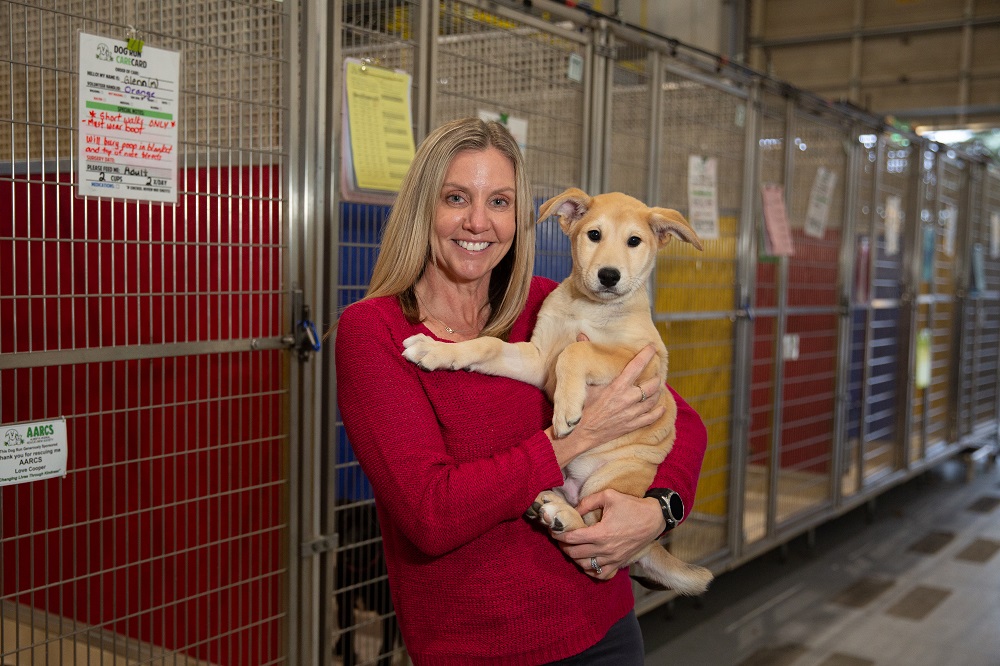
(478, 219)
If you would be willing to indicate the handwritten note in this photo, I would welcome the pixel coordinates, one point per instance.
(127, 120)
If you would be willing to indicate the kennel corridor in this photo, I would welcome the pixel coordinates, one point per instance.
(203, 515)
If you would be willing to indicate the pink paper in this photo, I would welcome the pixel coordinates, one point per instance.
(779, 233)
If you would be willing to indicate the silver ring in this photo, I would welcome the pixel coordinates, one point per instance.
(595, 566)
(643, 398)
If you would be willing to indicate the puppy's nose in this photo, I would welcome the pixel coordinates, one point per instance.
(609, 276)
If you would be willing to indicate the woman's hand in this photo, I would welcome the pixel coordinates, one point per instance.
(628, 525)
(613, 410)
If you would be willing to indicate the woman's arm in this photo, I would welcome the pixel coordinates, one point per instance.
(681, 468)
(438, 503)
(441, 504)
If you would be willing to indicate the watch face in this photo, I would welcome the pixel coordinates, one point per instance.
(676, 506)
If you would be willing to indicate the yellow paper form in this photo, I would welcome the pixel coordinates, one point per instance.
(378, 107)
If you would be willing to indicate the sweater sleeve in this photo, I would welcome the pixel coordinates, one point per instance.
(438, 503)
(680, 470)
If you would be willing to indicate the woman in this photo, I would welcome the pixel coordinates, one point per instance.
(455, 458)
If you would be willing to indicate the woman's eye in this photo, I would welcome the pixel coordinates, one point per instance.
(500, 202)
(634, 241)
(454, 198)
(594, 235)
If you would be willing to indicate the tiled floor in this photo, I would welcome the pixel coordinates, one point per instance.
(914, 583)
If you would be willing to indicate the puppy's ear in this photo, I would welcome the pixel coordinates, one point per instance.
(569, 207)
(667, 222)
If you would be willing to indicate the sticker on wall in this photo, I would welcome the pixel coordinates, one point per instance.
(128, 102)
(779, 234)
(32, 451)
(819, 202)
(703, 205)
(893, 222)
(518, 126)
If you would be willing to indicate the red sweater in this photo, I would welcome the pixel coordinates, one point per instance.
(455, 458)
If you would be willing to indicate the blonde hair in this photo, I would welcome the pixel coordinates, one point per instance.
(406, 241)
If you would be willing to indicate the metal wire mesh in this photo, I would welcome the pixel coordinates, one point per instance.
(694, 289)
(628, 169)
(166, 539)
(495, 64)
(977, 380)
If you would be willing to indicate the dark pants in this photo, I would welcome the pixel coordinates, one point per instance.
(621, 646)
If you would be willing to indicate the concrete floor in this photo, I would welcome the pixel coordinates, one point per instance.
(913, 582)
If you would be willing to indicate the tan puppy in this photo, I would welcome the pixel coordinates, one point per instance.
(615, 239)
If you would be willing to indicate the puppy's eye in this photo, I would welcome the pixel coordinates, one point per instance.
(634, 241)
(594, 235)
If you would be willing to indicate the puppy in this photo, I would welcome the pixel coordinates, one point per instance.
(614, 240)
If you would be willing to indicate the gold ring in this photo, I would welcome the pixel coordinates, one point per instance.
(643, 398)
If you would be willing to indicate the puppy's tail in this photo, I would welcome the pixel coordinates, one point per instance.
(657, 569)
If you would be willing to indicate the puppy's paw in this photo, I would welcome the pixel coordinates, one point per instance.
(427, 353)
(564, 421)
(556, 514)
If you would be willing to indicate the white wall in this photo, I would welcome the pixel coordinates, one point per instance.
(695, 22)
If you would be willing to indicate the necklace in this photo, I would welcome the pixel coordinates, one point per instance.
(449, 329)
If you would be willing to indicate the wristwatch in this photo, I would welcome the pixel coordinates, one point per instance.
(671, 505)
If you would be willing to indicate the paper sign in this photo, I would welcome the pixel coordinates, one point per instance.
(862, 280)
(819, 202)
(893, 222)
(32, 451)
(922, 376)
(776, 220)
(574, 70)
(950, 223)
(978, 269)
(127, 120)
(703, 206)
(994, 235)
(381, 127)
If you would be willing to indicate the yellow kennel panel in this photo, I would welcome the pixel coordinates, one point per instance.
(701, 140)
(701, 349)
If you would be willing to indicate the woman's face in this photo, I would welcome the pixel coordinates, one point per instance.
(474, 220)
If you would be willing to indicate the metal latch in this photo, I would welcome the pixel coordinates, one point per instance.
(319, 545)
(304, 339)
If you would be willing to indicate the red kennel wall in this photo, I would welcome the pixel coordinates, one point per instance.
(170, 526)
(808, 389)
